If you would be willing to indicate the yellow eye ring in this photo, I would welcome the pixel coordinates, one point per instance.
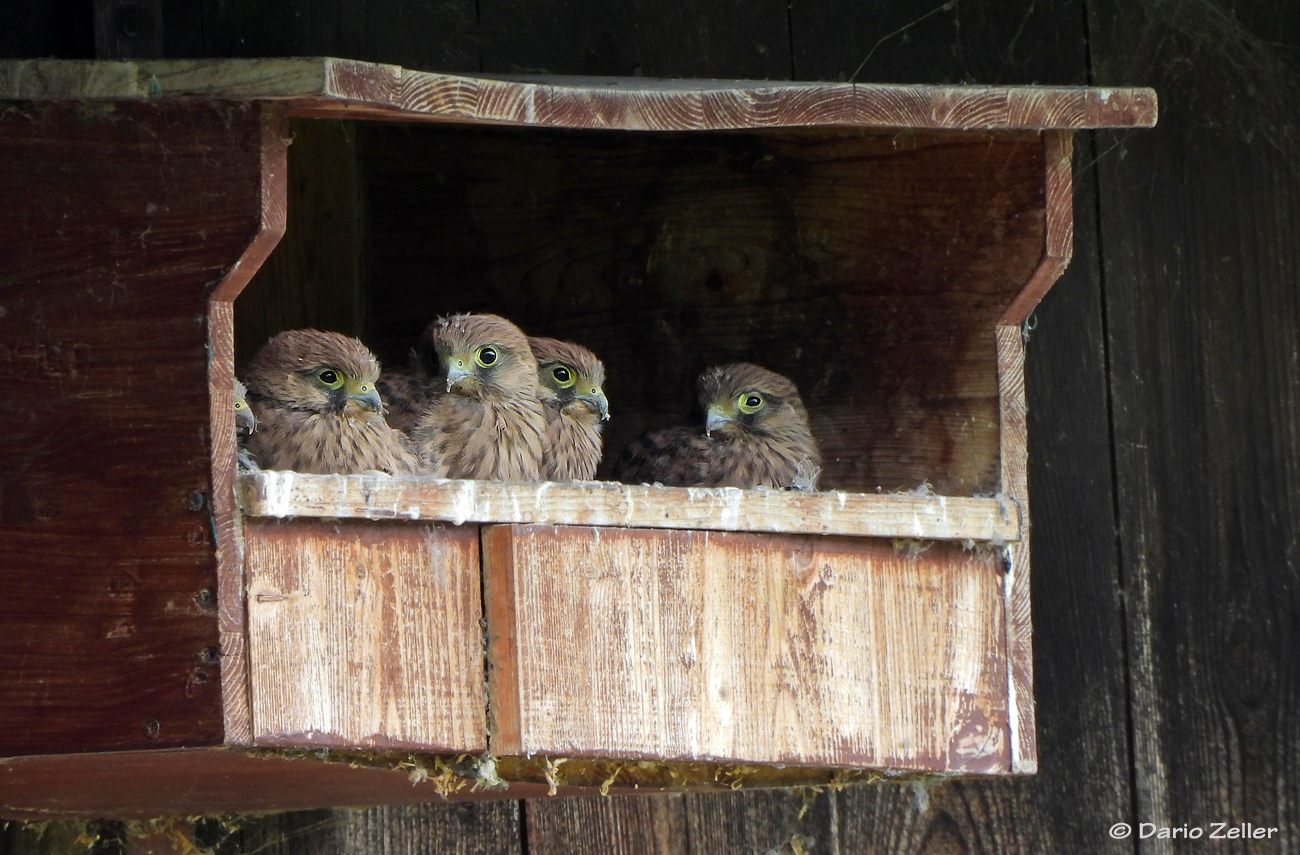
(563, 376)
(486, 356)
(749, 402)
(329, 378)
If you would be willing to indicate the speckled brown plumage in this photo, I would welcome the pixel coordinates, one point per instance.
(572, 381)
(772, 446)
(489, 422)
(407, 394)
(313, 394)
(245, 425)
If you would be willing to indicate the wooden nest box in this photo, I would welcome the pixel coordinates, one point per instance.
(180, 640)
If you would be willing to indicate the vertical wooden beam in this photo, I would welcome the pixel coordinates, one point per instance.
(1058, 243)
(1015, 486)
(236, 709)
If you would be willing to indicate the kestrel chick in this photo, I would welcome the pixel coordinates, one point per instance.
(245, 425)
(313, 394)
(755, 434)
(572, 379)
(489, 422)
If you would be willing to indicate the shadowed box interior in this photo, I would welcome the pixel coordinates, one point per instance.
(868, 266)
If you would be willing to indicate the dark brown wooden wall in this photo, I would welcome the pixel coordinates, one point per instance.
(1164, 393)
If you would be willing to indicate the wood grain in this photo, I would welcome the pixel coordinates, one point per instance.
(347, 88)
(787, 650)
(1015, 485)
(293, 494)
(128, 29)
(236, 710)
(1200, 226)
(211, 781)
(627, 825)
(106, 544)
(466, 828)
(365, 635)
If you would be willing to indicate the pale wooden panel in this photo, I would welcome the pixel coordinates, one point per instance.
(1015, 484)
(348, 88)
(604, 503)
(745, 648)
(365, 634)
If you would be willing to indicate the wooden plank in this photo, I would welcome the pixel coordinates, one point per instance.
(1058, 236)
(627, 825)
(1203, 318)
(1015, 484)
(284, 494)
(790, 650)
(789, 821)
(651, 38)
(215, 781)
(365, 635)
(467, 828)
(668, 254)
(106, 539)
(347, 88)
(128, 29)
(233, 650)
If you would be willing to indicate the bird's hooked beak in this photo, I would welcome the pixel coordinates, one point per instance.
(459, 371)
(716, 418)
(364, 396)
(245, 421)
(595, 398)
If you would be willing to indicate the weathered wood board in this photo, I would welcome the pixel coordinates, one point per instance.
(760, 649)
(342, 88)
(366, 635)
(383, 497)
(117, 224)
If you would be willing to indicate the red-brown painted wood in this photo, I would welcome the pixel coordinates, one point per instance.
(116, 223)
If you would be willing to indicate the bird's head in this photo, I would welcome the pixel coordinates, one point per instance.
(484, 357)
(322, 372)
(572, 377)
(245, 421)
(742, 399)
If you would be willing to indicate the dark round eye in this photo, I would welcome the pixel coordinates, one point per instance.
(561, 373)
(330, 378)
(486, 356)
(749, 402)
